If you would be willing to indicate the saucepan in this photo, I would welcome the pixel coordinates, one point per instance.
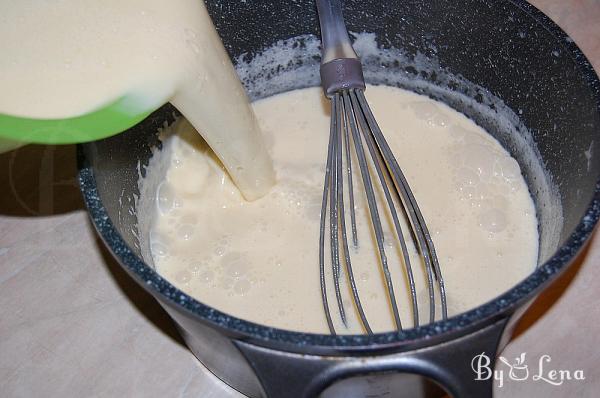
(502, 63)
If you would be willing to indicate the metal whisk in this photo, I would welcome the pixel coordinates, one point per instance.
(353, 126)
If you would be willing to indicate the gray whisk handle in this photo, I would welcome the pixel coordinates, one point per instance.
(341, 74)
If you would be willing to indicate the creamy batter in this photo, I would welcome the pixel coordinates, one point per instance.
(258, 260)
(66, 58)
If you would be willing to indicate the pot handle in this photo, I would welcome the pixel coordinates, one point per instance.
(451, 364)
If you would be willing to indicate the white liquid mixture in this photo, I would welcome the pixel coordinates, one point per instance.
(66, 58)
(259, 260)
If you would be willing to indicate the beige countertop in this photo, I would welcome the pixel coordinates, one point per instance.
(73, 324)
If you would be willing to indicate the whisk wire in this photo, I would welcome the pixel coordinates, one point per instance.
(340, 188)
(350, 184)
(423, 237)
(381, 166)
(351, 114)
(402, 189)
(334, 211)
(322, 229)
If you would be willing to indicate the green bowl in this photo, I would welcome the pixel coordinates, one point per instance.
(109, 120)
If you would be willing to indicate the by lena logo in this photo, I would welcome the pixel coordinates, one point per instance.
(519, 370)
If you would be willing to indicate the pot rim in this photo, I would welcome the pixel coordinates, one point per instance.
(419, 336)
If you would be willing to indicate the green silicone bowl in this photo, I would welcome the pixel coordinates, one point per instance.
(109, 120)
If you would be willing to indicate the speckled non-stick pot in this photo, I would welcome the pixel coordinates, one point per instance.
(508, 49)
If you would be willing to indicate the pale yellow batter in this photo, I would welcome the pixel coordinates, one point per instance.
(258, 260)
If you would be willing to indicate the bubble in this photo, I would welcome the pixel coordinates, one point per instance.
(201, 80)
(466, 177)
(234, 265)
(225, 240)
(193, 45)
(185, 231)
(389, 239)
(231, 258)
(207, 276)
(515, 185)
(312, 209)
(183, 277)
(457, 132)
(236, 270)
(482, 193)
(219, 251)
(263, 226)
(189, 33)
(195, 267)
(165, 198)
(185, 149)
(500, 202)
(159, 249)
(242, 287)
(493, 220)
(480, 159)
(508, 168)
(225, 282)
(195, 184)
(430, 113)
